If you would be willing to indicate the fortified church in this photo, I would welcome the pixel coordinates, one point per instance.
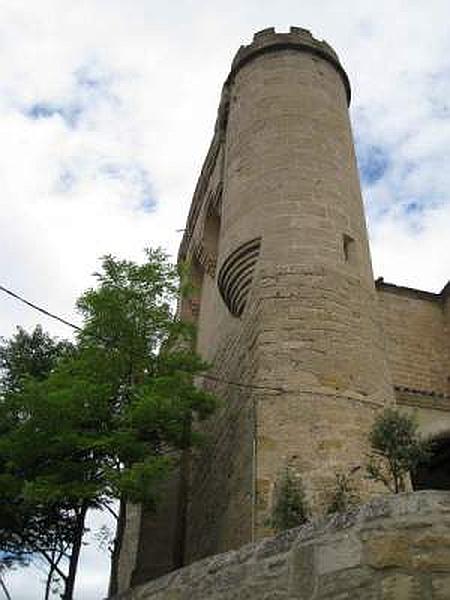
(306, 349)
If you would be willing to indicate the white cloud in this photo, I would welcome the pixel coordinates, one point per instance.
(106, 106)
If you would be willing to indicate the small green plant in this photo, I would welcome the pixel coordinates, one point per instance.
(397, 449)
(290, 507)
(345, 495)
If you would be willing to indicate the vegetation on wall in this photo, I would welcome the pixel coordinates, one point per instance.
(396, 449)
(345, 495)
(290, 507)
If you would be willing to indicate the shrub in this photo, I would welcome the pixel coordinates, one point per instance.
(345, 495)
(290, 507)
(397, 449)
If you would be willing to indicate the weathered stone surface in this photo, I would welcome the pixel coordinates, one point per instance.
(302, 571)
(440, 587)
(388, 550)
(335, 559)
(305, 349)
(400, 587)
(343, 554)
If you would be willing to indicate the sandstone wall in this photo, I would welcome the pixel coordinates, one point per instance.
(290, 180)
(289, 311)
(285, 305)
(416, 332)
(394, 548)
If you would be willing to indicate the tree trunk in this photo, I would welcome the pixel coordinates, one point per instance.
(75, 554)
(179, 549)
(115, 556)
(4, 588)
(48, 583)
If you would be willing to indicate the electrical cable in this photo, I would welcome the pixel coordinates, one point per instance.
(204, 376)
(78, 328)
(38, 308)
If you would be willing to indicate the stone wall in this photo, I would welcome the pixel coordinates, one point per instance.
(286, 312)
(416, 332)
(393, 548)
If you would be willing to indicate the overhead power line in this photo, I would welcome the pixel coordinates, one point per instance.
(39, 308)
(204, 375)
(78, 328)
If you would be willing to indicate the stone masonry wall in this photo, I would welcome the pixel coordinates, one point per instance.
(290, 179)
(394, 548)
(416, 332)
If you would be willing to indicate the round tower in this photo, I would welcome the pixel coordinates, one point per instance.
(294, 250)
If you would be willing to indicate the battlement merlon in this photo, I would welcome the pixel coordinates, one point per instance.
(299, 39)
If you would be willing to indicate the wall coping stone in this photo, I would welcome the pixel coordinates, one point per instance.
(387, 516)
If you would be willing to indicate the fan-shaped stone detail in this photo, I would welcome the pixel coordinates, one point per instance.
(236, 275)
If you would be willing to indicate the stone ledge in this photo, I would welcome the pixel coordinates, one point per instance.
(391, 547)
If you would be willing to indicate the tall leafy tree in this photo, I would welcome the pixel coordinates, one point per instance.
(107, 421)
(27, 527)
(28, 355)
(130, 316)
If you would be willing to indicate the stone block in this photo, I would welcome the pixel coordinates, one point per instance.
(391, 549)
(302, 572)
(440, 585)
(400, 587)
(337, 555)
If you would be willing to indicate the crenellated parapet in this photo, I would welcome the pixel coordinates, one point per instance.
(264, 42)
(268, 40)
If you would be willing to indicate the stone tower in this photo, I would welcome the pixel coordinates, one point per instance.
(284, 301)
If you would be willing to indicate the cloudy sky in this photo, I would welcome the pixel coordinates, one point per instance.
(107, 109)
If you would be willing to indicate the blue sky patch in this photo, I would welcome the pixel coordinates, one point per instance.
(70, 113)
(91, 86)
(137, 177)
(373, 162)
(92, 77)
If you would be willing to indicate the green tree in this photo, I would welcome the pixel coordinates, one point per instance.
(28, 529)
(396, 449)
(108, 420)
(27, 355)
(147, 350)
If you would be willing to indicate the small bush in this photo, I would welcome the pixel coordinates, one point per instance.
(397, 449)
(345, 496)
(290, 507)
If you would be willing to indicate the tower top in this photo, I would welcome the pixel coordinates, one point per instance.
(268, 40)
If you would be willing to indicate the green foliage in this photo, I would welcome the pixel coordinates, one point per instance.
(26, 526)
(345, 496)
(104, 419)
(29, 355)
(290, 507)
(397, 449)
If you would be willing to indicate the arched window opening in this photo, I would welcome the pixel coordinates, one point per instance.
(434, 474)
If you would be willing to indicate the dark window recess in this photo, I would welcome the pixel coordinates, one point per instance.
(434, 474)
(348, 244)
(236, 276)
